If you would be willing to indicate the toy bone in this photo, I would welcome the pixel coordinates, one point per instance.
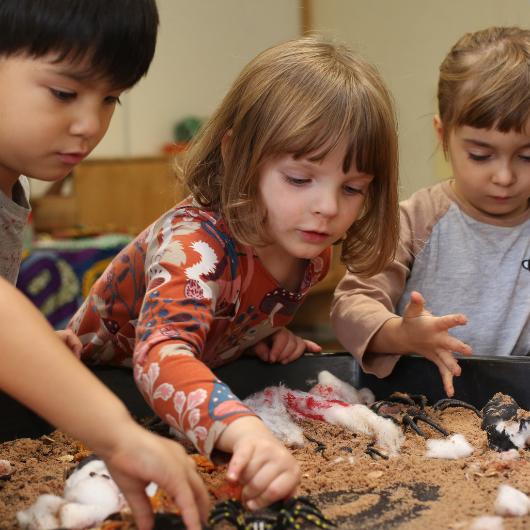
(506, 424)
(90, 495)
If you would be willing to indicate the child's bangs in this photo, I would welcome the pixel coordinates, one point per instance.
(504, 106)
(319, 130)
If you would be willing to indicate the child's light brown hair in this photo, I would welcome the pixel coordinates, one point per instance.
(485, 81)
(302, 98)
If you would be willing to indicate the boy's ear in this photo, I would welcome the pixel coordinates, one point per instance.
(438, 128)
(225, 143)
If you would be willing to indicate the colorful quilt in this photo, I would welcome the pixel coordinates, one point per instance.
(56, 275)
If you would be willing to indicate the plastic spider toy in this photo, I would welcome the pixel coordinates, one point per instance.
(506, 424)
(414, 410)
(284, 515)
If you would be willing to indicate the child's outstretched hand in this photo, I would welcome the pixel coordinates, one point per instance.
(422, 333)
(284, 347)
(71, 340)
(142, 457)
(264, 467)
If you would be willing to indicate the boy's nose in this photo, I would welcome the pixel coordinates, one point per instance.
(87, 124)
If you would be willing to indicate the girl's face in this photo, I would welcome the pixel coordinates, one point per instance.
(491, 170)
(310, 204)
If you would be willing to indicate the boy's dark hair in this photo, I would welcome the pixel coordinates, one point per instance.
(117, 37)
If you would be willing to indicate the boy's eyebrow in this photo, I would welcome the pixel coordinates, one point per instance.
(71, 72)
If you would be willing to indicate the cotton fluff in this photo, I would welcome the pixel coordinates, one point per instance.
(511, 501)
(90, 496)
(269, 406)
(455, 446)
(339, 389)
(487, 522)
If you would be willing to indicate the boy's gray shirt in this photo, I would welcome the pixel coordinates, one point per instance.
(14, 212)
(461, 261)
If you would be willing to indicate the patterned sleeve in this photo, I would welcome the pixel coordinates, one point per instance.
(186, 266)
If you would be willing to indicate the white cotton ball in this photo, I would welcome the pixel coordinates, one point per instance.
(342, 390)
(269, 406)
(93, 485)
(487, 522)
(76, 516)
(42, 514)
(511, 501)
(455, 446)
(362, 420)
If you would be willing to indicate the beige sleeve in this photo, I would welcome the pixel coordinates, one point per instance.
(362, 305)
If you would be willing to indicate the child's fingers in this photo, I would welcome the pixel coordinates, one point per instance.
(239, 461)
(450, 321)
(415, 307)
(311, 346)
(192, 499)
(262, 351)
(281, 487)
(141, 508)
(447, 377)
(282, 341)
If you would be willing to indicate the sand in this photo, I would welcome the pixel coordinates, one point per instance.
(407, 492)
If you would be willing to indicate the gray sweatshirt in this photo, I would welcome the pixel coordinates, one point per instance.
(14, 212)
(461, 262)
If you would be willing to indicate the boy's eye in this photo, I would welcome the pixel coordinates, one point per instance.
(113, 100)
(62, 95)
(525, 157)
(479, 158)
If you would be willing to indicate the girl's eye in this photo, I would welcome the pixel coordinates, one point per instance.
(296, 181)
(479, 158)
(62, 95)
(351, 190)
(525, 157)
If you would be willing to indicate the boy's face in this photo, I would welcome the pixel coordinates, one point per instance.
(491, 170)
(51, 117)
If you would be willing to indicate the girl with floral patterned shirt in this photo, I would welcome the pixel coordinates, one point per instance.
(301, 154)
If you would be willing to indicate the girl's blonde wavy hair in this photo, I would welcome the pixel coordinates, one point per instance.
(301, 97)
(485, 81)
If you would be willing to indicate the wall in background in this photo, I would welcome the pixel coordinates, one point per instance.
(407, 40)
(201, 48)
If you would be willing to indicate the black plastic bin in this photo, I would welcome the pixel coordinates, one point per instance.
(481, 378)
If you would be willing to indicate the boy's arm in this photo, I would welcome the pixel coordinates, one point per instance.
(37, 369)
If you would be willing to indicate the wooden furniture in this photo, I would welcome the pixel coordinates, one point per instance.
(126, 194)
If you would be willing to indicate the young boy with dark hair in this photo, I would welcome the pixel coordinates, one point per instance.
(63, 67)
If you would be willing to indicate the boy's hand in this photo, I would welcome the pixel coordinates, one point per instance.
(144, 457)
(284, 347)
(71, 340)
(260, 463)
(428, 335)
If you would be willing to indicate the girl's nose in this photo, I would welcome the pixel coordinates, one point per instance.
(504, 175)
(326, 204)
